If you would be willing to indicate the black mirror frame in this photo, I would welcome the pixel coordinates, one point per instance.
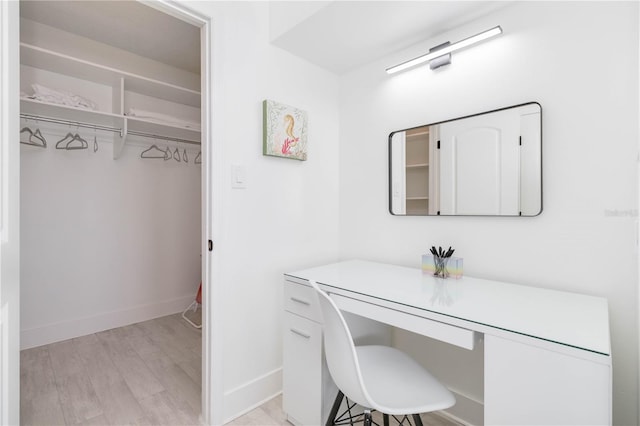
(390, 195)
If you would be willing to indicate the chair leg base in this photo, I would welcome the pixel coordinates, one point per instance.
(417, 420)
(367, 418)
(334, 409)
(349, 416)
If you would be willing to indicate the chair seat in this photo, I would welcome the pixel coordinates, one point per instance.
(398, 385)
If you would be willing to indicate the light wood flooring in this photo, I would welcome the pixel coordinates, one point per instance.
(271, 414)
(142, 374)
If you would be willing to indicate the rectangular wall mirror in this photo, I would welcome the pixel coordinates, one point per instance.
(488, 164)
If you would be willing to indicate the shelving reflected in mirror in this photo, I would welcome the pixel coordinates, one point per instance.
(487, 164)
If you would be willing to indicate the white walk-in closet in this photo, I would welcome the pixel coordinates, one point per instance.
(110, 209)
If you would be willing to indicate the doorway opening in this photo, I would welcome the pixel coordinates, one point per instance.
(114, 210)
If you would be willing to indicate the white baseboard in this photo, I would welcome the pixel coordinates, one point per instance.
(57, 332)
(467, 411)
(252, 394)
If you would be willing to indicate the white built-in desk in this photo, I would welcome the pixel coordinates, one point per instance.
(547, 353)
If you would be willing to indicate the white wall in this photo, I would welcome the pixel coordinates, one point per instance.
(287, 217)
(104, 243)
(548, 53)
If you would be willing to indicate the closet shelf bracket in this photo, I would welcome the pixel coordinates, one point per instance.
(118, 143)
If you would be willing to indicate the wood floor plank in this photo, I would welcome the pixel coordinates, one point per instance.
(163, 409)
(180, 325)
(273, 408)
(184, 334)
(193, 368)
(176, 381)
(255, 417)
(78, 398)
(143, 374)
(119, 405)
(36, 374)
(132, 330)
(143, 345)
(168, 340)
(437, 420)
(136, 373)
(100, 420)
(39, 399)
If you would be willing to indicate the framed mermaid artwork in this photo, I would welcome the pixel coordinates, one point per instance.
(284, 132)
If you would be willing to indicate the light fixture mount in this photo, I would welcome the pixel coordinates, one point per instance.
(440, 61)
(444, 50)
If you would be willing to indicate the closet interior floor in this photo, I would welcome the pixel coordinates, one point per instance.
(142, 374)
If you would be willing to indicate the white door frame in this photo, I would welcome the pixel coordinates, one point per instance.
(212, 385)
(9, 213)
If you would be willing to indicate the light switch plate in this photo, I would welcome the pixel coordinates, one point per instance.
(238, 176)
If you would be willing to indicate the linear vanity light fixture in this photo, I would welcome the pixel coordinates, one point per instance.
(443, 52)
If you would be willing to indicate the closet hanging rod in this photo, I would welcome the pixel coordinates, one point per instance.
(70, 123)
(105, 128)
(163, 138)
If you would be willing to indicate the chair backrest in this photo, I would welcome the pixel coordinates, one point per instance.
(340, 351)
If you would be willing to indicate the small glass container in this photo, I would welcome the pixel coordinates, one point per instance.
(447, 267)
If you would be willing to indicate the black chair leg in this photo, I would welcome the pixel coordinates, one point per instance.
(334, 409)
(368, 420)
(417, 420)
(385, 419)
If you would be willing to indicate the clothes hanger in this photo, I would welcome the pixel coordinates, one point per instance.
(71, 145)
(37, 135)
(95, 141)
(176, 155)
(184, 156)
(68, 138)
(198, 160)
(154, 152)
(71, 141)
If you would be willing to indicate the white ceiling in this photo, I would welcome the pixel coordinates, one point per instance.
(343, 35)
(336, 35)
(128, 25)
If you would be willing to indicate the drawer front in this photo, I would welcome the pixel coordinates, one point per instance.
(437, 330)
(299, 299)
(302, 370)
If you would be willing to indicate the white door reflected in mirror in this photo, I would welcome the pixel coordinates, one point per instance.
(488, 164)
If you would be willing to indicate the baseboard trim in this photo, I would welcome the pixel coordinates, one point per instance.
(64, 330)
(467, 411)
(252, 394)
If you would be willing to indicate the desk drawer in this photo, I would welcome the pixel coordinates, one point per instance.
(436, 330)
(299, 299)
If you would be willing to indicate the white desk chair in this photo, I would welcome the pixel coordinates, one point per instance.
(381, 378)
